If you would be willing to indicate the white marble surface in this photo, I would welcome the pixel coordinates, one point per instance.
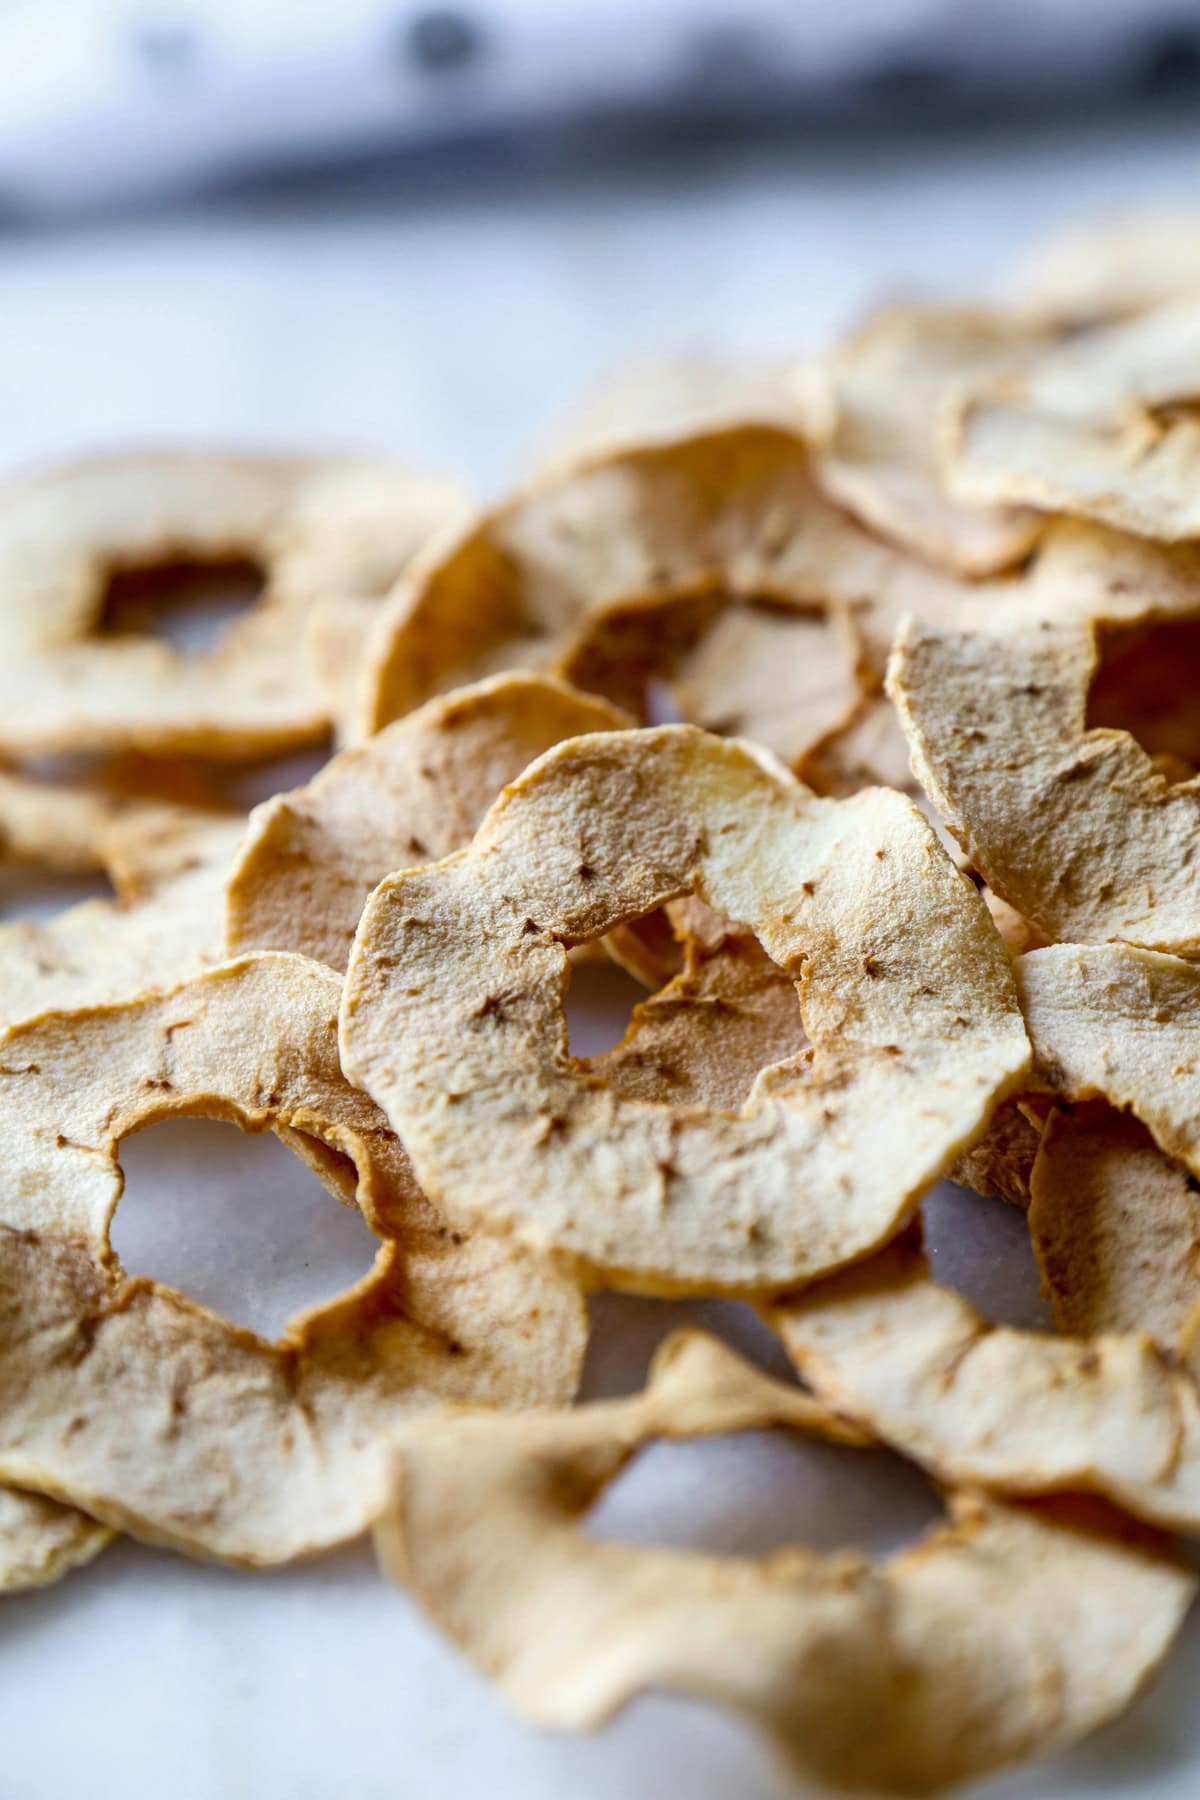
(451, 325)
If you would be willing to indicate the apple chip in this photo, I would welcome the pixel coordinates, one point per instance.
(1002, 1634)
(1081, 830)
(1112, 268)
(1115, 1225)
(731, 1011)
(1084, 570)
(657, 399)
(887, 388)
(645, 548)
(796, 679)
(789, 679)
(1000, 1166)
(1114, 1022)
(337, 636)
(100, 819)
(165, 927)
(870, 749)
(414, 793)
(156, 1415)
(1099, 425)
(705, 1035)
(41, 1541)
(453, 1017)
(312, 526)
(1023, 1413)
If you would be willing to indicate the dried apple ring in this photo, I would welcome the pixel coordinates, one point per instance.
(155, 1415)
(623, 561)
(1114, 1220)
(1115, 1227)
(312, 525)
(415, 792)
(1102, 424)
(886, 388)
(1023, 1413)
(1079, 829)
(159, 933)
(730, 1011)
(438, 771)
(1114, 1022)
(452, 1017)
(102, 819)
(296, 877)
(706, 1034)
(1000, 1167)
(1002, 1634)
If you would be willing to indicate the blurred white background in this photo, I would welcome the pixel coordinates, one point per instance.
(447, 312)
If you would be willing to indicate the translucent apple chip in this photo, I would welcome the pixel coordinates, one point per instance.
(1115, 1226)
(312, 526)
(41, 1541)
(1081, 830)
(888, 386)
(610, 570)
(158, 1416)
(1002, 1634)
(453, 1016)
(1023, 1413)
(414, 793)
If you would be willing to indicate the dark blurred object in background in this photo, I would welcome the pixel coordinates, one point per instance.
(108, 101)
